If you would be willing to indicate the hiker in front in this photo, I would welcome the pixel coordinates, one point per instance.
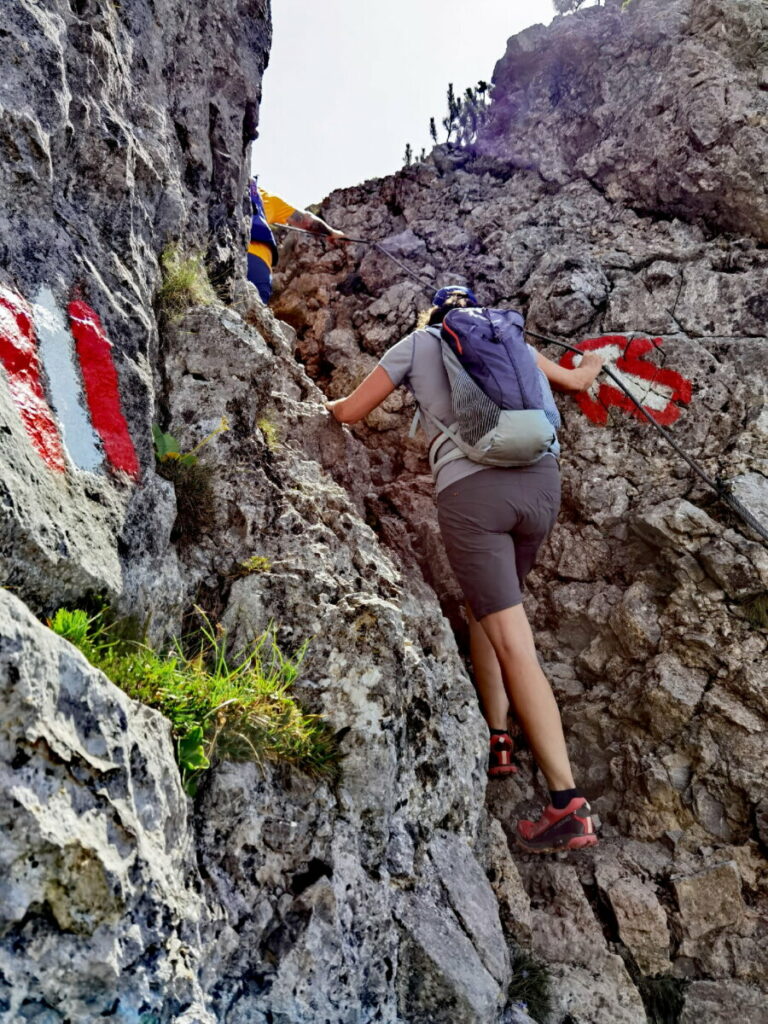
(269, 209)
(485, 404)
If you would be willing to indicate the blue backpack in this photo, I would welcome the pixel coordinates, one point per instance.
(503, 410)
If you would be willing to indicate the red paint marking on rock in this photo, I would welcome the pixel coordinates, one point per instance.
(94, 351)
(18, 354)
(656, 388)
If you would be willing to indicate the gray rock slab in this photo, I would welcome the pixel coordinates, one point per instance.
(473, 900)
(694, 128)
(710, 900)
(96, 849)
(716, 1002)
(642, 923)
(509, 890)
(605, 995)
(442, 977)
(619, 189)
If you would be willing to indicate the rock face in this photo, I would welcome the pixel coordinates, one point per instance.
(646, 601)
(99, 909)
(392, 895)
(660, 106)
(117, 141)
(272, 897)
(324, 893)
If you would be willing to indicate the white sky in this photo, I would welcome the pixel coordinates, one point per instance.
(349, 82)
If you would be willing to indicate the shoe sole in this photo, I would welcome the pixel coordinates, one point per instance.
(505, 769)
(574, 843)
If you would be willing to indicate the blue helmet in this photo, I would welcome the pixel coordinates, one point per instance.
(452, 289)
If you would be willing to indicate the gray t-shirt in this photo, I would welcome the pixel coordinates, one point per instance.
(416, 362)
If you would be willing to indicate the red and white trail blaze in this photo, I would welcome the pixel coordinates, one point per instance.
(94, 350)
(20, 355)
(656, 388)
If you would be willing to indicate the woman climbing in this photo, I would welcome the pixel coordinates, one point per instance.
(493, 521)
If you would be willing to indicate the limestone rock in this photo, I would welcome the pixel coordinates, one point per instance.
(571, 934)
(97, 905)
(716, 1002)
(473, 901)
(513, 902)
(116, 142)
(602, 996)
(671, 695)
(658, 104)
(442, 978)
(285, 899)
(709, 900)
(642, 923)
(640, 601)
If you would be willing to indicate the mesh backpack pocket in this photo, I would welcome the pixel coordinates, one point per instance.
(496, 391)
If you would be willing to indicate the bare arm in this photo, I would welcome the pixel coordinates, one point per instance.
(364, 399)
(309, 222)
(578, 379)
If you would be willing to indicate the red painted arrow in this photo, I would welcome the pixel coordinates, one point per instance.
(656, 388)
(18, 354)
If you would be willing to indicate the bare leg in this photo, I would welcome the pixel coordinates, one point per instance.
(530, 693)
(488, 679)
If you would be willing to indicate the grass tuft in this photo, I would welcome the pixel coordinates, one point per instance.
(530, 985)
(256, 563)
(192, 481)
(270, 434)
(756, 611)
(185, 282)
(663, 998)
(221, 707)
(195, 498)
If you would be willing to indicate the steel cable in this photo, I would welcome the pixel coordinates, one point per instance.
(721, 487)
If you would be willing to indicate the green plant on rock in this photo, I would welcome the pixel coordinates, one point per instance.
(663, 998)
(474, 112)
(270, 433)
(530, 985)
(566, 6)
(256, 563)
(195, 500)
(465, 117)
(192, 481)
(167, 448)
(466, 114)
(221, 707)
(756, 611)
(451, 120)
(185, 282)
(410, 159)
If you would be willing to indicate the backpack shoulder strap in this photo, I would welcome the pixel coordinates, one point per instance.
(417, 416)
(445, 432)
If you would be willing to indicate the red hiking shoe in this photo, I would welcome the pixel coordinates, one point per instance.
(500, 757)
(569, 829)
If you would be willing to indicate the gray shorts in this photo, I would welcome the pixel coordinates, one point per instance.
(493, 524)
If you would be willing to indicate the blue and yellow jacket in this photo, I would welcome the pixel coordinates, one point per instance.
(266, 209)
